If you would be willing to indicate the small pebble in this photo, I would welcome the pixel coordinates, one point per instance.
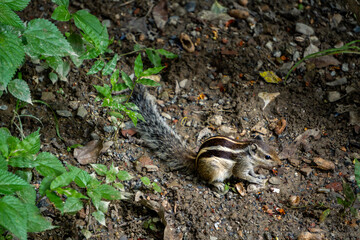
(275, 181)
(190, 6)
(64, 113)
(333, 96)
(304, 29)
(345, 67)
(82, 112)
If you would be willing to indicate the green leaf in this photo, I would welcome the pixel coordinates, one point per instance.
(3, 163)
(27, 195)
(104, 206)
(26, 175)
(108, 192)
(154, 57)
(61, 2)
(124, 176)
(218, 8)
(83, 179)
(10, 183)
(105, 91)
(49, 165)
(324, 215)
(145, 180)
(166, 54)
(56, 200)
(138, 67)
(137, 47)
(23, 161)
(36, 222)
(4, 148)
(100, 217)
(45, 184)
(17, 5)
(70, 192)
(148, 82)
(77, 44)
(31, 144)
(357, 172)
(12, 55)
(98, 65)
(73, 205)
(13, 143)
(132, 106)
(92, 27)
(64, 179)
(110, 66)
(53, 77)
(114, 78)
(127, 80)
(120, 186)
(119, 87)
(8, 17)
(152, 71)
(91, 53)
(20, 89)
(95, 196)
(61, 13)
(44, 38)
(13, 216)
(156, 187)
(60, 66)
(116, 114)
(100, 169)
(132, 115)
(349, 194)
(111, 174)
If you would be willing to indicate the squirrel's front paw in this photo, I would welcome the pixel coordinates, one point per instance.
(220, 187)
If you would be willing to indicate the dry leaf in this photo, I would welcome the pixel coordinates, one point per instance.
(89, 153)
(270, 77)
(160, 14)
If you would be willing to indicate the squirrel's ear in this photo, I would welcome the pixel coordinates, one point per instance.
(253, 147)
(259, 137)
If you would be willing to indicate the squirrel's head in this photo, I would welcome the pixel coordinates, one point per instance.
(263, 154)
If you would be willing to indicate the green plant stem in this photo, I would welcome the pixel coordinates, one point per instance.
(347, 48)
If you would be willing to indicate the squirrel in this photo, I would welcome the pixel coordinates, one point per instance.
(218, 158)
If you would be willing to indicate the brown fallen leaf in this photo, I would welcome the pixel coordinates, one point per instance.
(324, 164)
(302, 139)
(89, 153)
(325, 61)
(160, 14)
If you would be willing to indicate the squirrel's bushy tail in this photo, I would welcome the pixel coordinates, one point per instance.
(158, 135)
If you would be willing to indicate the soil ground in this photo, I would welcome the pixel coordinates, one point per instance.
(219, 87)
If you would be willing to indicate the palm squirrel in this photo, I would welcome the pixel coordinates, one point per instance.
(218, 158)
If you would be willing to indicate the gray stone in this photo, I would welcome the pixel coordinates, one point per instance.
(47, 96)
(81, 112)
(74, 105)
(94, 136)
(274, 181)
(337, 82)
(3, 107)
(310, 50)
(64, 113)
(333, 96)
(304, 29)
(345, 67)
(109, 129)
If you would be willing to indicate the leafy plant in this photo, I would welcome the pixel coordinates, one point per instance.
(41, 40)
(151, 224)
(18, 211)
(349, 195)
(347, 48)
(146, 181)
(119, 103)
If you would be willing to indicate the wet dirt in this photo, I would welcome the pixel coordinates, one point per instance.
(220, 80)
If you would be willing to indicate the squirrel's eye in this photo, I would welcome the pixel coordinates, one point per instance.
(267, 157)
